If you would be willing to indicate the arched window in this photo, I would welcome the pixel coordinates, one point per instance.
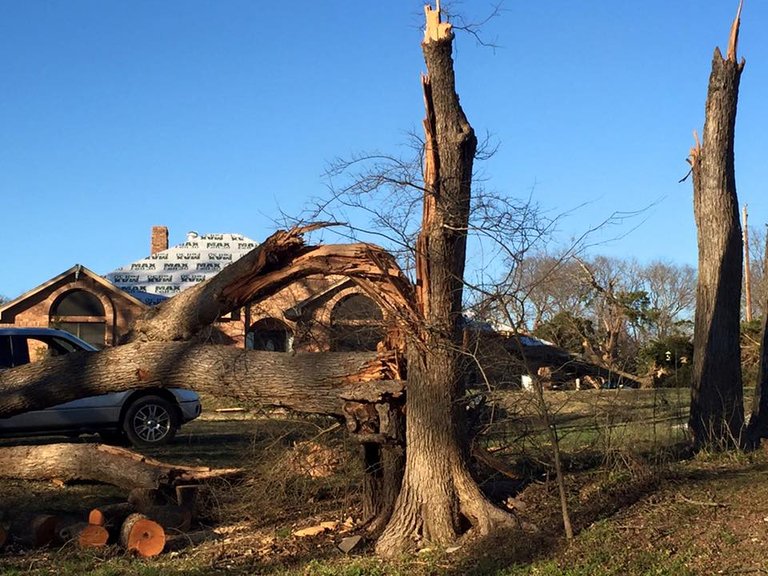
(80, 313)
(269, 334)
(356, 324)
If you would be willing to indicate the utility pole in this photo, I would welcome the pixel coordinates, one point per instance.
(747, 274)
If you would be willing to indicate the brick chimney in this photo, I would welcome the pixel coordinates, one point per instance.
(159, 239)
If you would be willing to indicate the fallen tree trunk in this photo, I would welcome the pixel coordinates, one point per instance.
(96, 462)
(309, 383)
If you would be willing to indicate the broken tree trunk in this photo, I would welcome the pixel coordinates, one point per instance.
(717, 412)
(439, 500)
(96, 462)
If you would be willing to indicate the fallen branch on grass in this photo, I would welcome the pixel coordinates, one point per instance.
(100, 463)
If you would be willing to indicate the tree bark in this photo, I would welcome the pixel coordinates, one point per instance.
(717, 413)
(758, 421)
(94, 462)
(439, 500)
(310, 383)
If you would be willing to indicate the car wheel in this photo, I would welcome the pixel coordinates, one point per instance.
(150, 421)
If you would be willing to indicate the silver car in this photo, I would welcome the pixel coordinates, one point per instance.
(146, 417)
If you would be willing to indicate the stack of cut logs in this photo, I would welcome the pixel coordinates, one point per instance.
(139, 525)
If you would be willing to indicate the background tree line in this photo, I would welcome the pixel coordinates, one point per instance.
(616, 312)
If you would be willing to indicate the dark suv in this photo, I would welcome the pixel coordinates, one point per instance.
(146, 417)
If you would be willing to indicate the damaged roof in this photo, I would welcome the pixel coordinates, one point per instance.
(169, 272)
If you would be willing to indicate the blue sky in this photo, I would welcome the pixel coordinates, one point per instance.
(218, 115)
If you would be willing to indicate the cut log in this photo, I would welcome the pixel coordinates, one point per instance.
(186, 495)
(141, 535)
(97, 462)
(171, 518)
(111, 515)
(85, 535)
(143, 498)
(34, 530)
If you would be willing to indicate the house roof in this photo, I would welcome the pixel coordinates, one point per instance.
(165, 274)
(77, 270)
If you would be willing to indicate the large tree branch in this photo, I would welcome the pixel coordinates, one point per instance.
(279, 261)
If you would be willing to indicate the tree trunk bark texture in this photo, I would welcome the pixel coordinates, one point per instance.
(95, 462)
(717, 413)
(309, 383)
(439, 500)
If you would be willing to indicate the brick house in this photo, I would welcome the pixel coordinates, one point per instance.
(79, 301)
(317, 313)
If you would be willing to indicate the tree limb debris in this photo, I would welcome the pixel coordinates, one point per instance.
(279, 261)
(97, 462)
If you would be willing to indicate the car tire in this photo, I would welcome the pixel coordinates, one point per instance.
(150, 421)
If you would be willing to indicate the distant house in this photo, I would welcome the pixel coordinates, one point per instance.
(317, 313)
(79, 301)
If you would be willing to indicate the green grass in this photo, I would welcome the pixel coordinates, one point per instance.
(600, 434)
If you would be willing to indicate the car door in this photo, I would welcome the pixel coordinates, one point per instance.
(93, 411)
